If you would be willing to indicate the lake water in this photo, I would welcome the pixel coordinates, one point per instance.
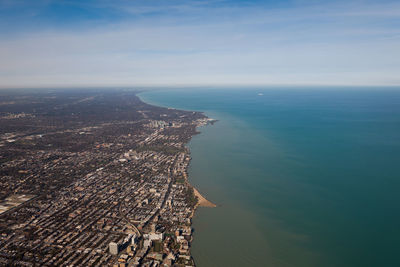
(301, 177)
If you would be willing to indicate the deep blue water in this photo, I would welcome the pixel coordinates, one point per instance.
(302, 177)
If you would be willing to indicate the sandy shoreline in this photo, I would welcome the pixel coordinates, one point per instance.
(202, 201)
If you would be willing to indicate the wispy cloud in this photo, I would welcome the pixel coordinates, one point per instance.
(220, 42)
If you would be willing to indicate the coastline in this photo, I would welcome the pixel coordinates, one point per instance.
(201, 200)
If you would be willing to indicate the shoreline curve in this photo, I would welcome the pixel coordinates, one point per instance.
(202, 201)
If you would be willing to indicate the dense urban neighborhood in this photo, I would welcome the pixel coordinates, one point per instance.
(94, 178)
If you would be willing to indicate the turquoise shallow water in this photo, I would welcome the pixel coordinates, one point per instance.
(302, 177)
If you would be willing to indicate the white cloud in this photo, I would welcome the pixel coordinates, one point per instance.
(294, 46)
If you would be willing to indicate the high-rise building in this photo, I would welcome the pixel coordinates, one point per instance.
(134, 239)
(114, 249)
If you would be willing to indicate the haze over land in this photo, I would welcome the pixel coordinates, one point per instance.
(48, 43)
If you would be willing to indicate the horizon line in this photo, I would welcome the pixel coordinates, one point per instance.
(155, 86)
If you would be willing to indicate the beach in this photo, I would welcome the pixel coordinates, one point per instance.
(202, 201)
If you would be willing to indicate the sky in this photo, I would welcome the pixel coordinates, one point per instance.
(45, 43)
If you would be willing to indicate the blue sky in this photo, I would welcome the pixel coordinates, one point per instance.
(131, 43)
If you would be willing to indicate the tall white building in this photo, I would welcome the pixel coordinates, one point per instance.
(113, 248)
